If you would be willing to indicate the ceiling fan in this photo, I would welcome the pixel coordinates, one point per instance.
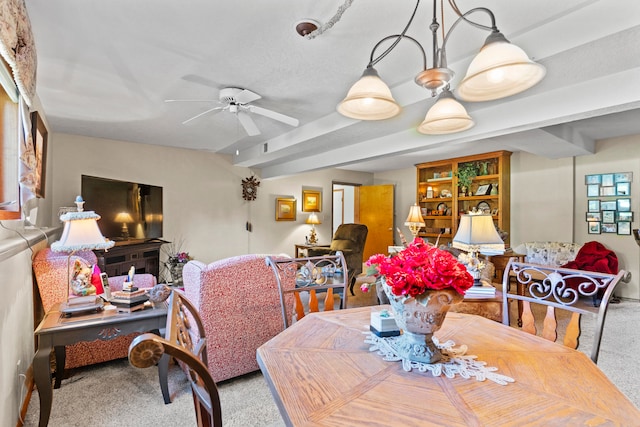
(238, 101)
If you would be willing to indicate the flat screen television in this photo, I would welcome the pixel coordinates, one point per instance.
(129, 210)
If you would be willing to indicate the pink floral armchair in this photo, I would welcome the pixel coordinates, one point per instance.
(51, 273)
(239, 303)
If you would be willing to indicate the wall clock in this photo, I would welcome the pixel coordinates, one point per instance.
(250, 188)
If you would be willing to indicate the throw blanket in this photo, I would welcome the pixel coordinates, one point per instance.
(593, 256)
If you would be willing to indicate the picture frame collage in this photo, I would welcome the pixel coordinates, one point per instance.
(609, 203)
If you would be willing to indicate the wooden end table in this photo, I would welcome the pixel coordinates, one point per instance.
(55, 331)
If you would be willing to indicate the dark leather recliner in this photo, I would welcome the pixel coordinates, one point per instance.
(350, 240)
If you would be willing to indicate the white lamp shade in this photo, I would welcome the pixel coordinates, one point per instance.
(369, 99)
(499, 70)
(447, 115)
(81, 232)
(478, 233)
(414, 217)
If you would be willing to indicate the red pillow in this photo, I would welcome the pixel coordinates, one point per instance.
(96, 280)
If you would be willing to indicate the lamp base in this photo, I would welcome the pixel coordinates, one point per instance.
(70, 308)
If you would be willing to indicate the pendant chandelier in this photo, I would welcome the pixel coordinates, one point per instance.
(499, 70)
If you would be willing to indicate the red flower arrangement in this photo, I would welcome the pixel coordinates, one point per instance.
(418, 268)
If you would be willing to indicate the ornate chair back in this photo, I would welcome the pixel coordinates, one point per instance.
(185, 341)
(313, 276)
(558, 288)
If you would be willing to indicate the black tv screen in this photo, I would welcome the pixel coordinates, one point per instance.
(129, 210)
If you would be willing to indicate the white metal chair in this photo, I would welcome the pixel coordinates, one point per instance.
(321, 274)
(559, 288)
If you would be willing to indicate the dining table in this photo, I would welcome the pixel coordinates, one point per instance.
(328, 369)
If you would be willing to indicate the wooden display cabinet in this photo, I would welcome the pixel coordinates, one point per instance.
(442, 201)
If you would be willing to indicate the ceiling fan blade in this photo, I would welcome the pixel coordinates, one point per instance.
(202, 114)
(273, 115)
(247, 123)
(246, 96)
(192, 100)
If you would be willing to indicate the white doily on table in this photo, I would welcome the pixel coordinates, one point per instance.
(454, 360)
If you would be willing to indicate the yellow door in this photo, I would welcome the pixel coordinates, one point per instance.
(375, 209)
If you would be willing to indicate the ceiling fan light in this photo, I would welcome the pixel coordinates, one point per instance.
(369, 99)
(499, 70)
(447, 115)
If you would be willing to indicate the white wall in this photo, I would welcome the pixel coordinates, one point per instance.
(202, 193)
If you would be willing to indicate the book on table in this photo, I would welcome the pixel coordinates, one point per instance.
(128, 299)
(484, 290)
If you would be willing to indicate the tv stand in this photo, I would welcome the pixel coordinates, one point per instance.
(144, 255)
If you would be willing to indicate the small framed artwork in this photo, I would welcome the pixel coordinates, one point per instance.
(594, 216)
(593, 205)
(608, 205)
(609, 228)
(623, 177)
(311, 201)
(285, 209)
(593, 190)
(624, 205)
(625, 216)
(624, 227)
(608, 217)
(593, 227)
(483, 190)
(623, 189)
(40, 136)
(592, 179)
(608, 191)
(607, 180)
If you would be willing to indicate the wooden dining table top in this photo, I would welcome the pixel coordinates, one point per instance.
(321, 372)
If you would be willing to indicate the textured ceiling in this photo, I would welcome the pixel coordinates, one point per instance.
(106, 67)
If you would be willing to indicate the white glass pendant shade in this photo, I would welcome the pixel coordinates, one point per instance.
(369, 99)
(447, 115)
(499, 70)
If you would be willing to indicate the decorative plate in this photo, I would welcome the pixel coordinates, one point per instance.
(442, 207)
(484, 207)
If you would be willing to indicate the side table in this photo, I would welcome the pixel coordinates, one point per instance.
(300, 248)
(500, 261)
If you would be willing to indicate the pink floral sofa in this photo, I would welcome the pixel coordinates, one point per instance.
(239, 303)
(51, 273)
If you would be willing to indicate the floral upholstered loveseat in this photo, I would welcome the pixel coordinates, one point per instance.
(554, 254)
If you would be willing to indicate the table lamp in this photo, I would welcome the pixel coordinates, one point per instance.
(477, 233)
(81, 232)
(414, 221)
(313, 220)
(124, 218)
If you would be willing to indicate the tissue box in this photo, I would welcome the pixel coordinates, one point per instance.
(383, 326)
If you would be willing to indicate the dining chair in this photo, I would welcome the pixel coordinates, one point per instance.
(313, 276)
(558, 288)
(186, 342)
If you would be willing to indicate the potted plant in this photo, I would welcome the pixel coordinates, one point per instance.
(465, 174)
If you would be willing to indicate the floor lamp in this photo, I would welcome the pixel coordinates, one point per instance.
(81, 232)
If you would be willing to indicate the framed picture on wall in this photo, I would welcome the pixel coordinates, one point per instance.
(623, 177)
(625, 216)
(607, 191)
(624, 227)
(285, 209)
(594, 216)
(593, 190)
(593, 227)
(609, 217)
(624, 205)
(592, 179)
(311, 201)
(609, 205)
(607, 180)
(623, 189)
(40, 136)
(593, 205)
(610, 228)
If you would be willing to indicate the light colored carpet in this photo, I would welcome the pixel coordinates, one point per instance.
(115, 394)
